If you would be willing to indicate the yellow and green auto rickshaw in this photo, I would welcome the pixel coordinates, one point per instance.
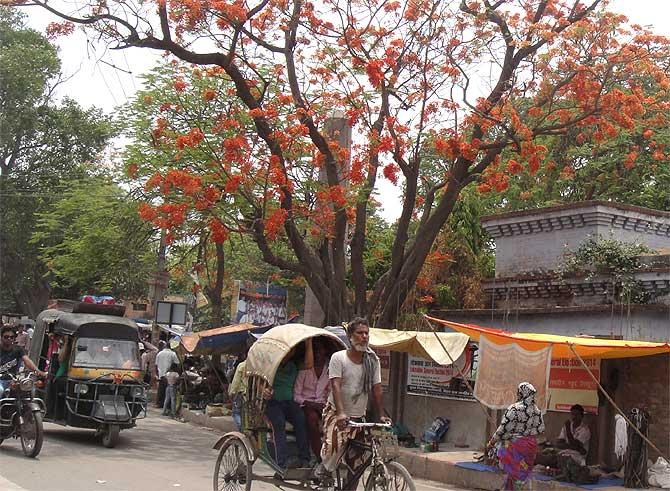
(95, 379)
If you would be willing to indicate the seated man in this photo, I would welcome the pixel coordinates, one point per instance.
(575, 436)
(572, 444)
(311, 391)
(281, 408)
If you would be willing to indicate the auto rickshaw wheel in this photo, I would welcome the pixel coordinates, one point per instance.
(232, 471)
(32, 434)
(110, 435)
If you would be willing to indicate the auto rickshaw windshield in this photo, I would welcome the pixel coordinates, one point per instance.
(106, 353)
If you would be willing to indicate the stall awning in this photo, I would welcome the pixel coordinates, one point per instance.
(228, 339)
(422, 344)
(561, 345)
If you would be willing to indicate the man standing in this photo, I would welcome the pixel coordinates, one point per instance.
(354, 375)
(164, 360)
(11, 357)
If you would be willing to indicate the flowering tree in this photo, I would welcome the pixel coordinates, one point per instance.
(435, 91)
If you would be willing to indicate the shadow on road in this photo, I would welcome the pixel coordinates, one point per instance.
(155, 439)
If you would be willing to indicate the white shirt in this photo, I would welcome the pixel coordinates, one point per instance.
(164, 361)
(581, 434)
(354, 401)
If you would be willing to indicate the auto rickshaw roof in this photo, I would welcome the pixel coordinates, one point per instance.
(88, 325)
(267, 353)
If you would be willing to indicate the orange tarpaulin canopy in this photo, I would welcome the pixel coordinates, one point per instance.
(561, 345)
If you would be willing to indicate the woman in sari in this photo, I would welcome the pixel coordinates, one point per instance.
(515, 439)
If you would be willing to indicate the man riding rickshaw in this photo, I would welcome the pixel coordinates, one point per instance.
(269, 370)
(94, 376)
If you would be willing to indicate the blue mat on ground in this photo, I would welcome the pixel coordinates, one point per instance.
(602, 483)
(478, 466)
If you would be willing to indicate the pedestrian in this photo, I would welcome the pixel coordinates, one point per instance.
(237, 391)
(23, 338)
(172, 378)
(164, 360)
(515, 440)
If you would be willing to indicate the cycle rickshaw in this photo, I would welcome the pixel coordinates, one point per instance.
(238, 451)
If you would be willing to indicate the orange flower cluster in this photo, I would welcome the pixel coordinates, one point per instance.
(233, 13)
(390, 172)
(274, 223)
(455, 147)
(219, 231)
(236, 149)
(56, 29)
(209, 94)
(194, 137)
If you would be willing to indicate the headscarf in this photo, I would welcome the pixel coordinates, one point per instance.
(523, 418)
(526, 393)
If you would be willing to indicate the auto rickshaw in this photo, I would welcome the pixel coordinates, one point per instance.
(238, 451)
(92, 357)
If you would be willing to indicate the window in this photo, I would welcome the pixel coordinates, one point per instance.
(106, 353)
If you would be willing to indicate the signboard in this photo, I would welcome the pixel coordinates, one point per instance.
(171, 313)
(259, 304)
(570, 383)
(425, 377)
(385, 363)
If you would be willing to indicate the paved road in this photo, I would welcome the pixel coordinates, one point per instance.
(159, 455)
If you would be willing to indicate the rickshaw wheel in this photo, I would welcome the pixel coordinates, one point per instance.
(32, 435)
(110, 435)
(232, 471)
(390, 476)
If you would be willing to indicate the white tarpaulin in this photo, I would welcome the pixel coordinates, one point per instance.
(441, 347)
(503, 367)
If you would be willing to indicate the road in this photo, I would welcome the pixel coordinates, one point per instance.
(159, 455)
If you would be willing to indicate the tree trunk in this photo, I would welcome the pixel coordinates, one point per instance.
(34, 299)
(397, 289)
(214, 293)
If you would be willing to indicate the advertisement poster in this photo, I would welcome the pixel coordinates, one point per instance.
(570, 383)
(385, 363)
(425, 377)
(259, 304)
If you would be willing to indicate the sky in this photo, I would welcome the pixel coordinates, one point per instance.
(106, 79)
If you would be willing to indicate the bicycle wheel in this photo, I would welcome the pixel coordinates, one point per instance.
(391, 476)
(232, 471)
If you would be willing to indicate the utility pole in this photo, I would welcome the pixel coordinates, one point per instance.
(158, 284)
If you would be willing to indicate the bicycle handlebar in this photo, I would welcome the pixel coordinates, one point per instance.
(354, 424)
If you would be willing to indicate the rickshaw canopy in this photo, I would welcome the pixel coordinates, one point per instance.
(87, 325)
(267, 353)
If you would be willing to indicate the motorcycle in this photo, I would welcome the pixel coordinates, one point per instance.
(21, 413)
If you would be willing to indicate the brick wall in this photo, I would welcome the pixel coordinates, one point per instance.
(645, 383)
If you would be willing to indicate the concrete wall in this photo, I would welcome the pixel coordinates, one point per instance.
(537, 240)
(468, 422)
(538, 251)
(651, 324)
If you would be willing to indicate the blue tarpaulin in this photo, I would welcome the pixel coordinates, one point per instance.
(229, 339)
